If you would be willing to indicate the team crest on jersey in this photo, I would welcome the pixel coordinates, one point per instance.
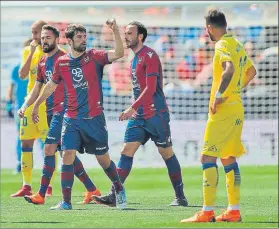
(86, 59)
(43, 64)
(140, 60)
(150, 54)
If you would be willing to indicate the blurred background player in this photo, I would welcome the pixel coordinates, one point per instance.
(55, 112)
(15, 98)
(30, 131)
(148, 115)
(84, 122)
(232, 71)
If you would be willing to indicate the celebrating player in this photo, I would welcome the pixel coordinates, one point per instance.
(55, 112)
(232, 71)
(148, 115)
(84, 122)
(30, 131)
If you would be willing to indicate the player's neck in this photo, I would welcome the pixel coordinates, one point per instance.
(221, 34)
(52, 52)
(136, 49)
(75, 54)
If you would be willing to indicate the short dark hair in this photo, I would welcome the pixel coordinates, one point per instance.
(216, 18)
(72, 29)
(53, 29)
(141, 29)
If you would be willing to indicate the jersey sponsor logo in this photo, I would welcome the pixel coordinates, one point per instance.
(63, 64)
(135, 80)
(101, 148)
(150, 54)
(48, 75)
(34, 70)
(49, 137)
(42, 64)
(78, 76)
(86, 59)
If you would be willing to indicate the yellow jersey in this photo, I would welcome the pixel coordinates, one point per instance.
(38, 54)
(228, 48)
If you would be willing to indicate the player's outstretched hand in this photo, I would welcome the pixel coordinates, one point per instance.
(111, 23)
(127, 114)
(35, 115)
(216, 102)
(21, 112)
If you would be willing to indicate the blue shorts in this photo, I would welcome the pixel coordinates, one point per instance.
(157, 128)
(90, 133)
(55, 126)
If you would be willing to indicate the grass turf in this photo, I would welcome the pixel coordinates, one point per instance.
(148, 192)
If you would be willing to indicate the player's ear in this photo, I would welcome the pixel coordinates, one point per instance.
(140, 37)
(69, 41)
(57, 40)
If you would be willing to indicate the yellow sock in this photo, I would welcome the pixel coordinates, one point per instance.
(210, 182)
(27, 165)
(233, 181)
(54, 172)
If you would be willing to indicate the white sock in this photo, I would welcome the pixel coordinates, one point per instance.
(233, 207)
(207, 208)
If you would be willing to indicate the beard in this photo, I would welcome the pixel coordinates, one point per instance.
(80, 48)
(132, 44)
(49, 48)
(211, 37)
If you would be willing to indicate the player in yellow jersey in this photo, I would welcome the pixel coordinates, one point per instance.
(232, 71)
(29, 131)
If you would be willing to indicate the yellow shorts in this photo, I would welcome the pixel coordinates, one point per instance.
(30, 130)
(223, 131)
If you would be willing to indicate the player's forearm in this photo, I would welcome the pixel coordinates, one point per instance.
(249, 75)
(226, 77)
(47, 91)
(119, 49)
(33, 95)
(147, 93)
(24, 70)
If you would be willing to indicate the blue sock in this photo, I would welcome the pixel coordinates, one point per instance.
(48, 169)
(174, 171)
(67, 181)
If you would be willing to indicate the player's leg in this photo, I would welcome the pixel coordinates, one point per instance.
(47, 127)
(28, 133)
(82, 175)
(134, 137)
(48, 168)
(210, 153)
(233, 180)
(233, 149)
(159, 129)
(95, 139)
(174, 171)
(71, 142)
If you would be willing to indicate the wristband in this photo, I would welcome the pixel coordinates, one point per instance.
(218, 95)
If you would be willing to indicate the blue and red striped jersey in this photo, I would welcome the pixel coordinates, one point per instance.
(147, 79)
(82, 77)
(54, 103)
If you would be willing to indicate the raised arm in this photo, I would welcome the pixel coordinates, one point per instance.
(118, 51)
(27, 59)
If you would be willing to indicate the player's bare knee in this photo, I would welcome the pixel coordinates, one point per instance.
(129, 149)
(27, 143)
(228, 161)
(68, 157)
(104, 160)
(207, 159)
(50, 149)
(166, 153)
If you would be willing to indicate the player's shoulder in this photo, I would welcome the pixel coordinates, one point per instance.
(222, 44)
(149, 52)
(63, 60)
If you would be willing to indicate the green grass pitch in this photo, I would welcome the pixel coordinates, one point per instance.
(148, 192)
